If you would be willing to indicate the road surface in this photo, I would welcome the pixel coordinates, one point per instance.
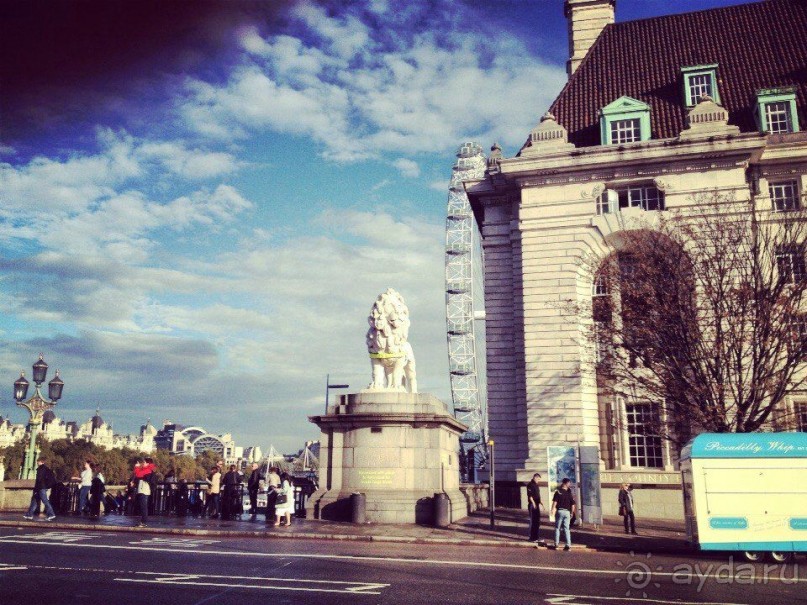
(39, 566)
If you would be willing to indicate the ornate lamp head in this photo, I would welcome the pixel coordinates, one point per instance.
(55, 387)
(20, 387)
(40, 371)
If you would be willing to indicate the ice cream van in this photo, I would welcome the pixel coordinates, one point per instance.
(747, 492)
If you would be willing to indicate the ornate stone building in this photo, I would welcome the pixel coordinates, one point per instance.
(95, 430)
(655, 111)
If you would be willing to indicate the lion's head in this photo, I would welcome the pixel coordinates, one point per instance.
(389, 324)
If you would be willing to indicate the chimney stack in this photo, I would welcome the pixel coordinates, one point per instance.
(587, 18)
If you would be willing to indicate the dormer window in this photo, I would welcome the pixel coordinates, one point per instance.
(699, 81)
(626, 120)
(776, 110)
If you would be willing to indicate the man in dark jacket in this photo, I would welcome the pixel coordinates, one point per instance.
(534, 506)
(230, 483)
(563, 507)
(253, 485)
(45, 479)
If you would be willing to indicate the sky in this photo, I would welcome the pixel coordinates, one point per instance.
(200, 201)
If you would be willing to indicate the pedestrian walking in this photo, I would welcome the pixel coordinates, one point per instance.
(85, 482)
(563, 507)
(213, 505)
(626, 508)
(534, 506)
(45, 479)
(284, 503)
(253, 485)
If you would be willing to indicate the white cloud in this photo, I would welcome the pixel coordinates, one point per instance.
(407, 168)
(363, 95)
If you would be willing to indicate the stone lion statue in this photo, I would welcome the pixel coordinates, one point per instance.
(391, 356)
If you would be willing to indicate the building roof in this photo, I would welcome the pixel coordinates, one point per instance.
(756, 46)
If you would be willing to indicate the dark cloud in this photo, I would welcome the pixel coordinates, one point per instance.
(68, 62)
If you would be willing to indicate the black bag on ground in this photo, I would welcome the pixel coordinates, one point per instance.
(110, 505)
(60, 498)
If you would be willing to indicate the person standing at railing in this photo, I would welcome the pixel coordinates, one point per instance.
(84, 488)
(214, 493)
(144, 481)
(230, 505)
(272, 487)
(97, 491)
(284, 503)
(253, 485)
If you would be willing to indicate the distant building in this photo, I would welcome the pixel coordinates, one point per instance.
(194, 440)
(10, 433)
(95, 430)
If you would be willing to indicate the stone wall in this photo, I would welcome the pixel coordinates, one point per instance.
(15, 495)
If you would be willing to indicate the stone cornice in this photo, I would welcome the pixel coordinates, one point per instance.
(594, 162)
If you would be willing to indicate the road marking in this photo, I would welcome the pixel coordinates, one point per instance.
(176, 542)
(558, 599)
(288, 584)
(57, 536)
(9, 567)
(180, 579)
(550, 568)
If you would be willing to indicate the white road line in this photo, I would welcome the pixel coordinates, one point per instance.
(551, 568)
(9, 567)
(62, 536)
(165, 578)
(231, 577)
(256, 586)
(558, 599)
(176, 542)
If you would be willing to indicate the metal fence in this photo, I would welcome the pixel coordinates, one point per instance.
(172, 498)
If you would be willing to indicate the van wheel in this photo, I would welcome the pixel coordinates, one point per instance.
(753, 556)
(781, 557)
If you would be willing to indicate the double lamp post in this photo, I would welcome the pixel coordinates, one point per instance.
(36, 406)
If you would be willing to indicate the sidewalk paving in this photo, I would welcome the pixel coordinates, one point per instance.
(511, 530)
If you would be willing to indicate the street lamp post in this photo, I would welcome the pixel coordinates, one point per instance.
(36, 406)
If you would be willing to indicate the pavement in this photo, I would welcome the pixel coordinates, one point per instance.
(510, 530)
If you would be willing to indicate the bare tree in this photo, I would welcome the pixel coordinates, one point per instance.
(700, 310)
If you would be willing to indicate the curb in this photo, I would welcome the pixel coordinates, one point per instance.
(282, 535)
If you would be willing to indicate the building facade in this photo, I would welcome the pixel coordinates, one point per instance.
(655, 113)
(95, 430)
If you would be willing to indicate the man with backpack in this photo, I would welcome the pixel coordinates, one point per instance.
(45, 479)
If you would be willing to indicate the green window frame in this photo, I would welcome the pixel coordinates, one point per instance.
(626, 120)
(776, 108)
(699, 79)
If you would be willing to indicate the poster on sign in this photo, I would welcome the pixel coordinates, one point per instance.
(562, 464)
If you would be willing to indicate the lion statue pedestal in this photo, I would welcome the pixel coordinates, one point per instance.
(396, 446)
(399, 449)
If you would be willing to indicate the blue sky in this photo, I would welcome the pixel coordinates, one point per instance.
(199, 202)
